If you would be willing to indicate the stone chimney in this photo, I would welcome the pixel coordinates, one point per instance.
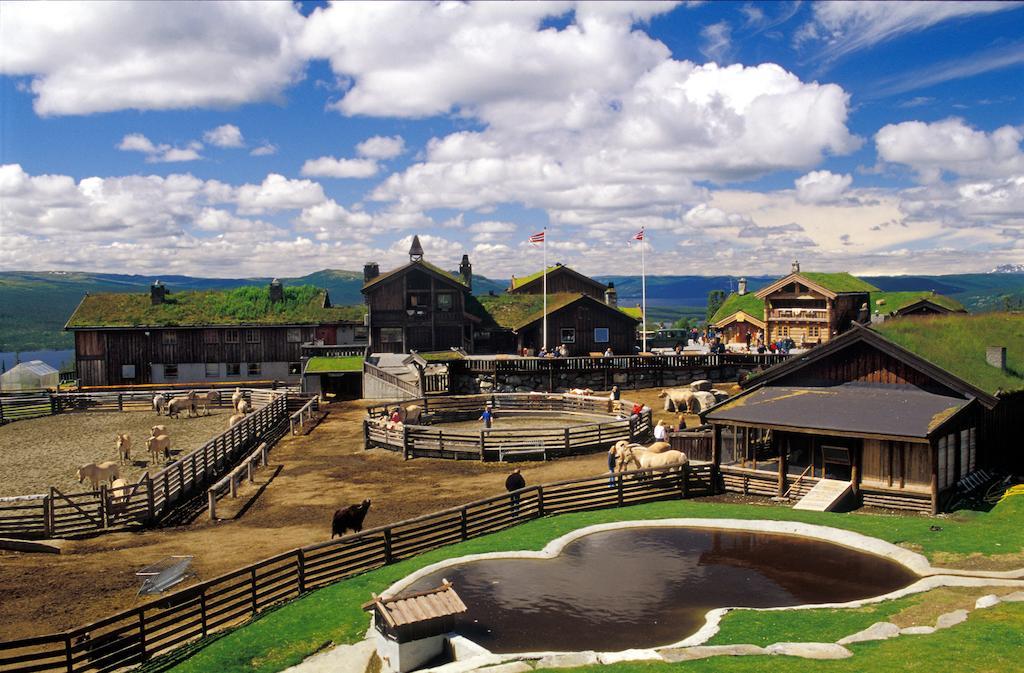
(370, 271)
(276, 291)
(611, 295)
(741, 287)
(996, 356)
(796, 267)
(157, 293)
(466, 271)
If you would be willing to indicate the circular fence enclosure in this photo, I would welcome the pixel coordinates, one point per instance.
(589, 424)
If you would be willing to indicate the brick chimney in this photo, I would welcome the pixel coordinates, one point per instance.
(611, 295)
(276, 291)
(466, 271)
(370, 271)
(996, 356)
(157, 293)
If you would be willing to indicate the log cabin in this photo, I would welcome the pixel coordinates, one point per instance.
(419, 306)
(811, 308)
(561, 280)
(741, 316)
(900, 411)
(241, 334)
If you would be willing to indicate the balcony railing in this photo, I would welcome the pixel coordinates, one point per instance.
(799, 314)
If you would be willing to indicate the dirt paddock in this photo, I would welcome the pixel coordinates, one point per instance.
(315, 474)
(41, 452)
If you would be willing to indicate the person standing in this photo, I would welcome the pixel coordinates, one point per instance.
(513, 483)
(612, 462)
(660, 432)
(487, 417)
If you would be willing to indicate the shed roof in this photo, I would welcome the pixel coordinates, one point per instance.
(897, 411)
(559, 302)
(406, 609)
(831, 284)
(251, 305)
(519, 283)
(322, 364)
(892, 302)
(421, 264)
(749, 303)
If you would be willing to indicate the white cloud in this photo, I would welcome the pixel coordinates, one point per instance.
(845, 27)
(162, 153)
(278, 193)
(822, 187)
(226, 135)
(330, 167)
(717, 42)
(102, 56)
(951, 146)
(264, 150)
(381, 147)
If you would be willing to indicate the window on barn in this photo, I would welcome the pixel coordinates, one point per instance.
(233, 369)
(170, 371)
(391, 335)
(169, 337)
(445, 301)
(127, 371)
(211, 336)
(255, 369)
(294, 335)
(600, 335)
(252, 336)
(360, 333)
(568, 335)
(230, 336)
(212, 370)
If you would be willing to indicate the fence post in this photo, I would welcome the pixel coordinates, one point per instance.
(483, 440)
(211, 504)
(540, 501)
(567, 441)
(149, 498)
(120, 402)
(48, 514)
(462, 524)
(202, 610)
(405, 442)
(618, 487)
(252, 577)
(104, 514)
(366, 435)
(387, 547)
(142, 634)
(67, 653)
(684, 476)
(301, 556)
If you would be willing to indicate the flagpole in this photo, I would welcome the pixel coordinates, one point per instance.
(545, 338)
(643, 290)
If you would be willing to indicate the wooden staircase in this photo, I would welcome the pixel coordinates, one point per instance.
(825, 496)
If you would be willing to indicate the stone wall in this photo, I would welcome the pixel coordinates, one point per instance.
(526, 382)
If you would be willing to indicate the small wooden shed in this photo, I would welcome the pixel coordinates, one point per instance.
(411, 628)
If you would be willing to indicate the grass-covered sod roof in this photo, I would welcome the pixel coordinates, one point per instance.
(839, 282)
(302, 305)
(894, 301)
(328, 365)
(957, 343)
(749, 303)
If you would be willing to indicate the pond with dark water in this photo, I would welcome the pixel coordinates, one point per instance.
(650, 587)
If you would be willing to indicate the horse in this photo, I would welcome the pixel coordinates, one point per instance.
(663, 463)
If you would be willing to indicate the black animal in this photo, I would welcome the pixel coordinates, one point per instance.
(350, 517)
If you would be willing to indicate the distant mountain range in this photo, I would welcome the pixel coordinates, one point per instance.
(35, 305)
(1008, 268)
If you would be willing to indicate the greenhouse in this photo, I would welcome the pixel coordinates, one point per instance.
(33, 375)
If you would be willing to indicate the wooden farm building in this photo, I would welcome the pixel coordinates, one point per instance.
(902, 412)
(810, 308)
(419, 306)
(242, 334)
(561, 280)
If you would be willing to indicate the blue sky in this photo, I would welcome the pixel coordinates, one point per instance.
(229, 139)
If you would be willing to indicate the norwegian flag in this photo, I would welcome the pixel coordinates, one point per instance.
(537, 238)
(639, 236)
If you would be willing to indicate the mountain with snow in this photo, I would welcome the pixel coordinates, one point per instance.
(1008, 268)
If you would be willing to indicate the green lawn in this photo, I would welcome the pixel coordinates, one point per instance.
(285, 636)
(990, 641)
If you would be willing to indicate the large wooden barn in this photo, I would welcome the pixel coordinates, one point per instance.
(419, 306)
(902, 412)
(561, 280)
(243, 334)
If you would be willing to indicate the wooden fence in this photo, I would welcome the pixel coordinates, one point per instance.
(164, 623)
(617, 363)
(58, 514)
(434, 441)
